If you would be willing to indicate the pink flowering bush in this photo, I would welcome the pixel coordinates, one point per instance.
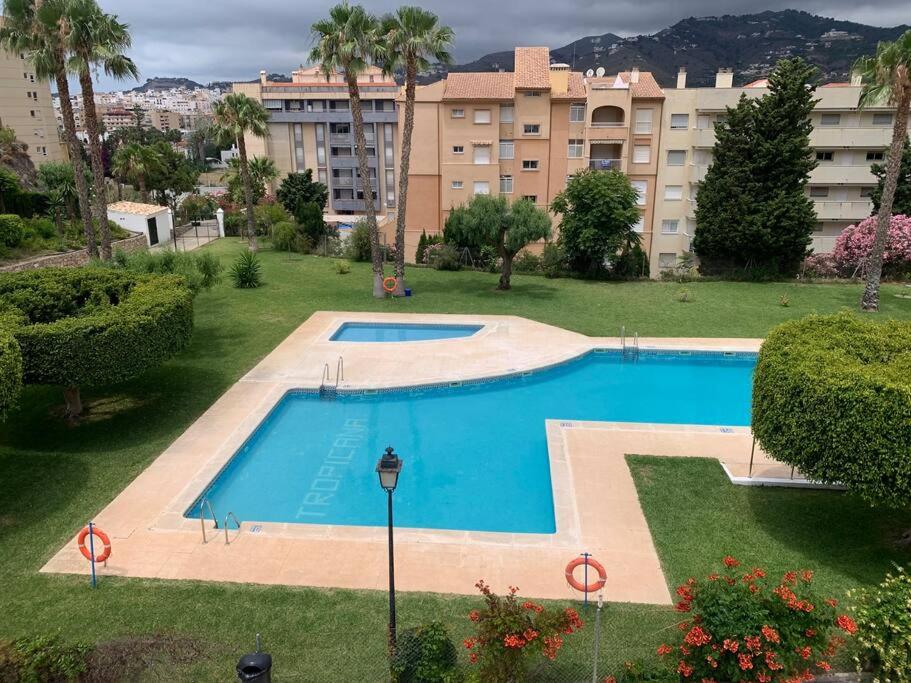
(854, 244)
(820, 266)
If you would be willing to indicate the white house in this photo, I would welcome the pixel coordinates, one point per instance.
(150, 219)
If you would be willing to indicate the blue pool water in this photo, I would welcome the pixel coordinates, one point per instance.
(475, 456)
(400, 332)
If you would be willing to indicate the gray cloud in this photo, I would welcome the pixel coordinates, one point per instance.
(234, 39)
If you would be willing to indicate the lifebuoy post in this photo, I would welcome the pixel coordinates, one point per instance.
(585, 594)
(92, 552)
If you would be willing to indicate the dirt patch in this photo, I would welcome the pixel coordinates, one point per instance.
(140, 658)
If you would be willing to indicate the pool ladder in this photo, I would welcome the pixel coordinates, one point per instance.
(629, 351)
(328, 390)
(206, 503)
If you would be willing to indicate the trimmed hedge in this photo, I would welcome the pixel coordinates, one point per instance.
(96, 326)
(832, 397)
(10, 365)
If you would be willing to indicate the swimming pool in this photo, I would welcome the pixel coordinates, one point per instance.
(475, 455)
(400, 332)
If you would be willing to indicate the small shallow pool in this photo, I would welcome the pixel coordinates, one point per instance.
(400, 332)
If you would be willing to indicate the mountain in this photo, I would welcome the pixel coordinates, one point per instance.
(750, 44)
(166, 83)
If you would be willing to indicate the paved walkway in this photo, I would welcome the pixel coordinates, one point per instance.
(596, 505)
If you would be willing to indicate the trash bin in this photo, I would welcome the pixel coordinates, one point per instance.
(256, 667)
(407, 291)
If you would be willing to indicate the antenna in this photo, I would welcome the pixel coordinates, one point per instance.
(600, 71)
(590, 73)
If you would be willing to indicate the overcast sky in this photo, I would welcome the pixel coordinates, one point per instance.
(234, 39)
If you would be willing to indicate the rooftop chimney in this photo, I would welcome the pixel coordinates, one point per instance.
(559, 78)
(856, 79)
(634, 75)
(262, 77)
(681, 78)
(724, 78)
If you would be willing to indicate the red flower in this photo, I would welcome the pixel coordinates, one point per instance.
(530, 634)
(712, 662)
(682, 606)
(790, 578)
(831, 602)
(745, 661)
(664, 649)
(697, 637)
(754, 588)
(753, 643)
(684, 669)
(809, 633)
(770, 634)
(730, 645)
(685, 593)
(474, 615)
(846, 624)
(806, 575)
(473, 657)
(771, 662)
(759, 573)
(610, 679)
(469, 643)
(713, 577)
(763, 678)
(804, 652)
(825, 666)
(731, 562)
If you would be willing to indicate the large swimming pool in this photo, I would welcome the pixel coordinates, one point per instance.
(400, 332)
(475, 456)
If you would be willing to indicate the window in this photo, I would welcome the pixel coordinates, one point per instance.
(533, 198)
(667, 260)
(388, 136)
(458, 149)
(505, 184)
(825, 156)
(882, 119)
(458, 113)
(533, 93)
(482, 154)
(703, 122)
(680, 121)
(640, 186)
(532, 129)
(482, 115)
(481, 187)
(643, 121)
(676, 157)
(321, 145)
(876, 156)
(642, 154)
(866, 192)
(576, 148)
(299, 146)
(340, 128)
(507, 112)
(338, 105)
(32, 113)
(577, 113)
(507, 149)
(272, 104)
(669, 226)
(639, 225)
(673, 192)
(819, 191)
(830, 119)
(390, 187)
(457, 185)
(529, 164)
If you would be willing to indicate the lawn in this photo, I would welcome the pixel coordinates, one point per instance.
(56, 477)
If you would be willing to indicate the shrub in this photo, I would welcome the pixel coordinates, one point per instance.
(510, 633)
(267, 216)
(12, 230)
(10, 367)
(854, 245)
(784, 301)
(94, 326)
(284, 236)
(247, 270)
(832, 397)
(631, 263)
(235, 224)
(42, 228)
(342, 267)
(488, 259)
(198, 207)
(42, 659)
(884, 628)
(209, 268)
(684, 296)
(199, 269)
(425, 654)
(820, 266)
(741, 626)
(526, 262)
(358, 248)
(553, 261)
(443, 257)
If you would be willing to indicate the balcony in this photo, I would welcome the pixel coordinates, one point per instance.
(606, 164)
(697, 175)
(831, 174)
(843, 211)
(350, 162)
(876, 137)
(328, 116)
(352, 204)
(348, 138)
(704, 137)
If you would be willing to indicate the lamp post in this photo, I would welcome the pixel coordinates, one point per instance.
(388, 469)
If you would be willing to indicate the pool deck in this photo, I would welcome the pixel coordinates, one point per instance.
(597, 508)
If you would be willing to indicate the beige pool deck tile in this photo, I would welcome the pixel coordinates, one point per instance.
(595, 501)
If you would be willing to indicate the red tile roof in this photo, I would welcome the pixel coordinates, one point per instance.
(575, 90)
(532, 67)
(646, 87)
(479, 86)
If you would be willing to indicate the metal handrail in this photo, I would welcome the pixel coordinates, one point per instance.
(325, 378)
(202, 517)
(623, 340)
(339, 370)
(636, 346)
(228, 516)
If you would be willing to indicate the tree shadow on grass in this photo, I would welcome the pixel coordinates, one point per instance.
(456, 286)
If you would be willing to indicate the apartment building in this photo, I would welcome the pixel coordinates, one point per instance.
(26, 107)
(845, 140)
(310, 126)
(165, 120)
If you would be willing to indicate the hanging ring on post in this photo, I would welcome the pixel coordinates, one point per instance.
(103, 537)
(389, 284)
(578, 585)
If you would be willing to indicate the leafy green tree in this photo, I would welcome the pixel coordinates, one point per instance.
(599, 213)
(138, 164)
(174, 176)
(902, 202)
(886, 78)
(492, 221)
(346, 42)
(262, 171)
(57, 177)
(298, 189)
(236, 115)
(752, 210)
(410, 38)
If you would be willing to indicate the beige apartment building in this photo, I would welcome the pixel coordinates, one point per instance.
(27, 108)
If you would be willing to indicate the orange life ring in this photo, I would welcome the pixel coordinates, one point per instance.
(389, 284)
(579, 561)
(103, 537)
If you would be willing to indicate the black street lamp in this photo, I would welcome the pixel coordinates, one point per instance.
(388, 468)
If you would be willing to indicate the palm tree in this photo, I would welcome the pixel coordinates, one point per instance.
(236, 115)
(409, 39)
(886, 79)
(97, 39)
(38, 28)
(137, 163)
(346, 42)
(263, 171)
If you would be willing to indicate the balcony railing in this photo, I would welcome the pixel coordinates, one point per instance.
(843, 211)
(608, 124)
(605, 164)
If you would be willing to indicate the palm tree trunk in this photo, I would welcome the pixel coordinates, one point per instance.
(91, 129)
(407, 131)
(360, 140)
(82, 188)
(143, 192)
(248, 190)
(870, 299)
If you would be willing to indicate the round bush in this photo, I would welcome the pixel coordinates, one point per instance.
(10, 366)
(832, 397)
(94, 326)
(12, 230)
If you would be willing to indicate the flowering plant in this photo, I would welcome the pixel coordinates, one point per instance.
(742, 626)
(510, 632)
(854, 244)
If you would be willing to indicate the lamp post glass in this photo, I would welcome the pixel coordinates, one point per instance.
(388, 468)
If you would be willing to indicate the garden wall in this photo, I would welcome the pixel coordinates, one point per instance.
(72, 259)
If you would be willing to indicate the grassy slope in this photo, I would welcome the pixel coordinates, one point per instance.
(55, 477)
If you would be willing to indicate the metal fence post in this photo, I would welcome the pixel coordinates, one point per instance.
(597, 637)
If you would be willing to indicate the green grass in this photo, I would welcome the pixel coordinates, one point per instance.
(55, 477)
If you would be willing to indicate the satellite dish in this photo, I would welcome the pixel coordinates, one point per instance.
(589, 73)
(600, 71)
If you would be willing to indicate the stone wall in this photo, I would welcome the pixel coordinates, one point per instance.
(72, 259)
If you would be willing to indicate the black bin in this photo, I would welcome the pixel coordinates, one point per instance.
(255, 668)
